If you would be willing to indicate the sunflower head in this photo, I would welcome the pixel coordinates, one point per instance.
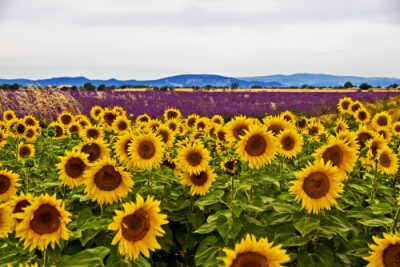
(72, 168)
(217, 119)
(166, 134)
(193, 158)
(146, 150)
(363, 135)
(382, 119)
(20, 128)
(9, 115)
(276, 124)
(386, 252)
(301, 123)
(396, 128)
(74, 127)
(144, 118)
(18, 205)
(59, 130)
(362, 115)
(30, 120)
(191, 120)
(236, 128)
(30, 134)
(387, 161)
(95, 112)
(3, 135)
(119, 110)
(173, 125)
(220, 133)
(25, 150)
(107, 117)
(121, 125)
(199, 183)
(121, 149)
(344, 105)
(96, 149)
(65, 118)
(374, 144)
(341, 125)
(288, 116)
(172, 113)
(92, 132)
(356, 105)
(230, 165)
(290, 143)
(5, 220)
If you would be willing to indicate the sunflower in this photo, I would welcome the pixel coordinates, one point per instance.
(191, 120)
(154, 124)
(146, 150)
(288, 116)
(106, 183)
(72, 168)
(30, 120)
(382, 119)
(362, 115)
(230, 165)
(339, 154)
(82, 120)
(59, 130)
(120, 110)
(276, 124)
(25, 150)
(258, 147)
(121, 125)
(95, 148)
(10, 127)
(384, 133)
(344, 105)
(387, 161)
(20, 128)
(107, 118)
(317, 186)
(363, 135)
(199, 183)
(217, 119)
(198, 135)
(386, 252)
(18, 204)
(341, 125)
(173, 125)
(166, 134)
(143, 118)
(220, 133)
(138, 226)
(396, 128)
(3, 135)
(5, 220)
(193, 158)
(356, 105)
(171, 163)
(172, 113)
(92, 132)
(9, 115)
(350, 139)
(65, 118)
(290, 143)
(121, 150)
(30, 134)
(301, 123)
(374, 144)
(236, 128)
(95, 112)
(314, 129)
(43, 223)
(74, 127)
(250, 252)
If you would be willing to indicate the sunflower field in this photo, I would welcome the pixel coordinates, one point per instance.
(283, 190)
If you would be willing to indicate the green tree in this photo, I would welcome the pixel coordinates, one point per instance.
(89, 87)
(101, 87)
(365, 86)
(348, 85)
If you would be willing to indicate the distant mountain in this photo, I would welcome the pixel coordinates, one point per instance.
(175, 81)
(321, 80)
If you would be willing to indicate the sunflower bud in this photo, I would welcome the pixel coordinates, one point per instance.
(51, 133)
(29, 162)
(75, 136)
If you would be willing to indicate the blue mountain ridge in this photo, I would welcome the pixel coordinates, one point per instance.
(186, 80)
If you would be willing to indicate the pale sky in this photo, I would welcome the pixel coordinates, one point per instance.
(149, 39)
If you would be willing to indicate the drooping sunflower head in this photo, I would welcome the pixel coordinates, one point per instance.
(121, 150)
(9, 115)
(341, 125)
(144, 118)
(172, 113)
(5, 220)
(138, 225)
(288, 116)
(301, 123)
(65, 118)
(290, 143)
(18, 204)
(314, 129)
(230, 165)
(236, 128)
(385, 133)
(43, 223)
(191, 120)
(374, 144)
(107, 183)
(356, 105)
(387, 161)
(217, 119)
(193, 158)
(72, 168)
(166, 134)
(95, 112)
(276, 124)
(121, 125)
(30, 120)
(362, 115)
(257, 147)
(382, 119)
(317, 186)
(92, 132)
(339, 154)
(96, 149)
(25, 150)
(350, 139)
(199, 183)
(396, 128)
(146, 150)
(363, 135)
(250, 252)
(386, 252)
(344, 105)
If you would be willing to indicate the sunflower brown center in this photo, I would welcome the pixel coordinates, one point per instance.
(169, 164)
(302, 123)
(211, 132)
(194, 158)
(75, 167)
(333, 154)
(66, 119)
(135, 226)
(287, 118)
(276, 129)
(313, 131)
(218, 121)
(391, 256)
(362, 116)
(9, 117)
(126, 146)
(199, 135)
(122, 126)
(221, 135)
(345, 105)
(382, 121)
(5, 184)
(107, 178)
(146, 150)
(20, 128)
(256, 145)
(230, 165)
(30, 133)
(287, 143)
(109, 118)
(384, 160)
(250, 259)
(239, 131)
(362, 137)
(316, 185)
(92, 133)
(172, 115)
(164, 135)
(46, 220)
(201, 125)
(59, 131)
(97, 112)
(200, 179)
(172, 126)
(374, 148)
(191, 122)
(355, 107)
(397, 129)
(73, 128)
(29, 122)
(20, 205)
(93, 150)
(144, 119)
(24, 151)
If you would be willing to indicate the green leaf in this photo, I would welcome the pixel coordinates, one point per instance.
(87, 236)
(323, 256)
(290, 240)
(87, 258)
(196, 219)
(284, 207)
(206, 228)
(209, 199)
(100, 224)
(141, 262)
(306, 224)
(207, 251)
(377, 222)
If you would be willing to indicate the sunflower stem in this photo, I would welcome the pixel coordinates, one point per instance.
(232, 187)
(280, 175)
(44, 257)
(251, 186)
(373, 189)
(26, 179)
(16, 149)
(396, 219)
(101, 210)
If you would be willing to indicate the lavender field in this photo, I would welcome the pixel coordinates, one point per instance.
(51, 103)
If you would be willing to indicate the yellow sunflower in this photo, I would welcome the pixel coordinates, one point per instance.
(120, 110)
(341, 125)
(5, 220)
(107, 118)
(172, 113)
(362, 115)
(396, 128)
(92, 132)
(344, 105)
(74, 127)
(387, 161)
(257, 147)
(9, 115)
(82, 120)
(339, 154)
(198, 135)
(144, 118)
(59, 130)
(30, 134)
(106, 183)
(166, 134)
(301, 124)
(220, 133)
(10, 127)
(356, 105)
(250, 252)
(199, 183)
(96, 149)
(25, 150)
(18, 204)
(386, 251)
(193, 158)
(173, 125)
(230, 165)
(65, 118)
(138, 226)
(317, 186)
(30, 120)
(374, 144)
(154, 124)
(95, 112)
(72, 168)
(236, 128)
(315, 129)
(290, 143)
(20, 128)
(201, 124)
(121, 125)
(384, 133)
(3, 135)
(217, 119)
(146, 150)
(350, 139)
(121, 150)
(382, 119)
(276, 124)
(191, 120)
(288, 116)
(43, 223)
(363, 135)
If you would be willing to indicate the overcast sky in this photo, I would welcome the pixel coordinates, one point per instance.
(147, 39)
